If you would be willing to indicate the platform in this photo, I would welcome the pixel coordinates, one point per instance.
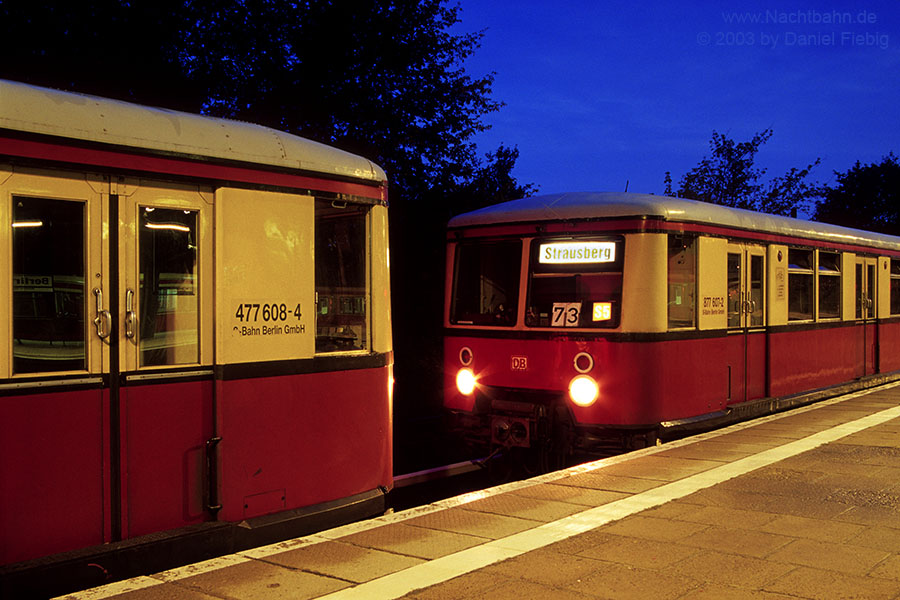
(804, 504)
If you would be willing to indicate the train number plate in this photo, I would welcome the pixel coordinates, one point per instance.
(519, 363)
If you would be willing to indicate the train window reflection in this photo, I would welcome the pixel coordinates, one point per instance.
(829, 275)
(577, 294)
(341, 277)
(800, 284)
(48, 285)
(167, 246)
(486, 283)
(682, 280)
(895, 286)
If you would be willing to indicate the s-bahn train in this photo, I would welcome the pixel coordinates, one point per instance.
(574, 321)
(196, 337)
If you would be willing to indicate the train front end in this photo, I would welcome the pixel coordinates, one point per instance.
(540, 323)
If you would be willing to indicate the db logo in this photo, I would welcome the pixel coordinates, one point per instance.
(519, 363)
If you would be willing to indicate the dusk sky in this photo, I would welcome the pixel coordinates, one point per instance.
(600, 93)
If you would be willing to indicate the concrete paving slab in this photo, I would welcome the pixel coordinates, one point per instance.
(257, 580)
(650, 528)
(817, 583)
(711, 566)
(880, 538)
(344, 561)
(842, 558)
(570, 494)
(473, 523)
(477, 584)
(524, 507)
(417, 542)
(732, 540)
(662, 468)
(889, 569)
(167, 591)
(721, 516)
(546, 567)
(822, 530)
(627, 583)
(635, 552)
(612, 483)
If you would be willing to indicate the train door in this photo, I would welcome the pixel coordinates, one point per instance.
(53, 438)
(866, 309)
(161, 377)
(746, 322)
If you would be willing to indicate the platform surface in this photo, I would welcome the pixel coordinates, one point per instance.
(805, 504)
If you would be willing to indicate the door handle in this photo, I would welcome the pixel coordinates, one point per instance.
(130, 316)
(103, 320)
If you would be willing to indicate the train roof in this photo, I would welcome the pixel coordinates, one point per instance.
(603, 205)
(32, 109)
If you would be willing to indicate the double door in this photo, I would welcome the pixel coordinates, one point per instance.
(865, 312)
(107, 386)
(746, 322)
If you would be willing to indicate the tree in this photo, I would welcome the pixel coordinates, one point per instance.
(865, 197)
(384, 80)
(490, 183)
(118, 49)
(729, 177)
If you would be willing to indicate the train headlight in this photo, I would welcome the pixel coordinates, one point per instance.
(583, 390)
(465, 381)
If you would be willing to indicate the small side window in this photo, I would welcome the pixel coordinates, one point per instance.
(895, 286)
(829, 275)
(682, 281)
(342, 291)
(800, 284)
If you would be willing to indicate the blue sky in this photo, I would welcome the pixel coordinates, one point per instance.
(600, 93)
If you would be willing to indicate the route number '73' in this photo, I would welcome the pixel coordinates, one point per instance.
(566, 314)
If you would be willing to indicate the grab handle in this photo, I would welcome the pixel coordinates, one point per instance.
(103, 321)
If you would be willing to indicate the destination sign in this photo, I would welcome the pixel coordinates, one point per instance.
(568, 253)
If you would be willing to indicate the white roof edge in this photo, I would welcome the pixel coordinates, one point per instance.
(598, 205)
(39, 110)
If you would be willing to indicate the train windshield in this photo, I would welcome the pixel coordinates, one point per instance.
(486, 283)
(575, 282)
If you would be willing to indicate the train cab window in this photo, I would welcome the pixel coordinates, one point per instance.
(48, 285)
(342, 296)
(169, 318)
(486, 283)
(829, 276)
(682, 281)
(575, 283)
(895, 286)
(800, 284)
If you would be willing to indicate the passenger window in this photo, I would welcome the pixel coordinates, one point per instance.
(169, 325)
(48, 285)
(829, 275)
(800, 284)
(486, 283)
(575, 283)
(682, 280)
(341, 259)
(895, 286)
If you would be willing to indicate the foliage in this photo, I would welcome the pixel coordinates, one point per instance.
(865, 197)
(728, 177)
(385, 79)
(124, 50)
(490, 183)
(381, 79)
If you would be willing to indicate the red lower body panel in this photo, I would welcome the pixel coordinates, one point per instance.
(649, 382)
(293, 441)
(52, 473)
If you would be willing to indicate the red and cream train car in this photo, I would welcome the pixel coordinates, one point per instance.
(572, 319)
(196, 336)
